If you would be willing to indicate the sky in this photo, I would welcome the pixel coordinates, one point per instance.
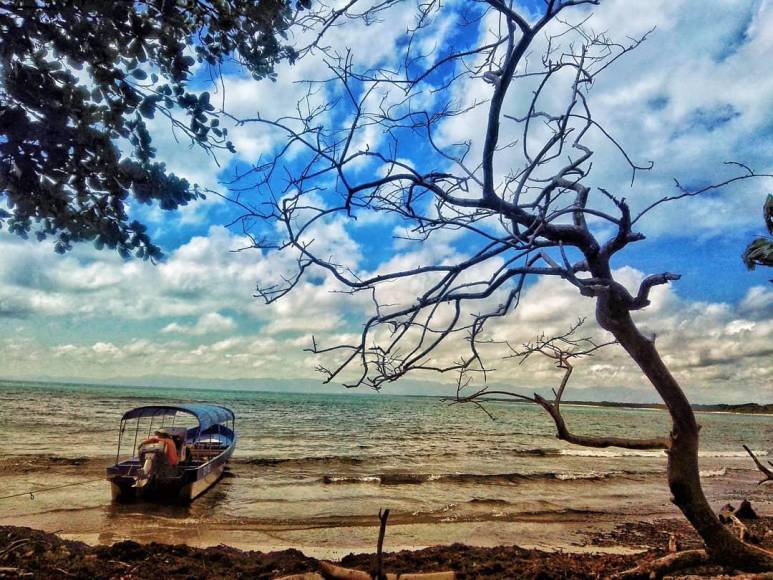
(697, 93)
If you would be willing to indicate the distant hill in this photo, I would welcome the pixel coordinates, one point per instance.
(745, 408)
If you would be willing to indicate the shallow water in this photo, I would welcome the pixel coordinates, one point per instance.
(321, 466)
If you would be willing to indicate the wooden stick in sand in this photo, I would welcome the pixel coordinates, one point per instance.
(339, 573)
(383, 517)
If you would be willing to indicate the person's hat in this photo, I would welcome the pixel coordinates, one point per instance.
(163, 431)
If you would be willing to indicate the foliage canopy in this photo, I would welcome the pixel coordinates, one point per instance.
(760, 251)
(78, 81)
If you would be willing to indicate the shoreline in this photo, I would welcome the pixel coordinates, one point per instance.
(328, 539)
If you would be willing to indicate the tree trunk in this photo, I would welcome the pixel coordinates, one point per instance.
(683, 472)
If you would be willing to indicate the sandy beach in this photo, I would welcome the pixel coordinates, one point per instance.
(33, 554)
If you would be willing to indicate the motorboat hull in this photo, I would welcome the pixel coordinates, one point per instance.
(190, 482)
(178, 462)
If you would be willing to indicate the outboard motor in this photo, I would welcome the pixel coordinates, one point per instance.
(154, 463)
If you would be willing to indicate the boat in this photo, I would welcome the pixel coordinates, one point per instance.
(177, 451)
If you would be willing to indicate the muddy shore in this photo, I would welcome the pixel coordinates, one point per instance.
(27, 553)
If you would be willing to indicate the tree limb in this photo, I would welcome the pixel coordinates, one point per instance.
(768, 473)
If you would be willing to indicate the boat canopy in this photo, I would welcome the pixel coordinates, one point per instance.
(206, 414)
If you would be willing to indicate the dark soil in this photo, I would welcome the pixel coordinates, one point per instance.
(36, 554)
(27, 553)
(502, 562)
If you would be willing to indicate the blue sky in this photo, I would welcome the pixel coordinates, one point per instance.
(697, 93)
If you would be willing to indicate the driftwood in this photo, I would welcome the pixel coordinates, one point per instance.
(741, 530)
(767, 472)
(333, 572)
(17, 572)
(15, 545)
(679, 560)
(732, 517)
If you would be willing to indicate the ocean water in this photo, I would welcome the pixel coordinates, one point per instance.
(306, 461)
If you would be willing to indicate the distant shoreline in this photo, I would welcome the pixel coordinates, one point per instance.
(740, 408)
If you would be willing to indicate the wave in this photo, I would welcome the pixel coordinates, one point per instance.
(591, 475)
(713, 472)
(488, 501)
(538, 452)
(649, 453)
(729, 454)
(299, 460)
(419, 478)
(611, 453)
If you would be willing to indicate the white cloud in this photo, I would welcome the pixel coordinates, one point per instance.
(198, 279)
(707, 345)
(698, 66)
(697, 93)
(211, 323)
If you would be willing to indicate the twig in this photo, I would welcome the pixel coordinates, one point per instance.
(13, 546)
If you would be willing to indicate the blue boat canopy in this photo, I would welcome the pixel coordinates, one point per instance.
(206, 414)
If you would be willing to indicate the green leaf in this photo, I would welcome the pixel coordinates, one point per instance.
(148, 108)
(759, 253)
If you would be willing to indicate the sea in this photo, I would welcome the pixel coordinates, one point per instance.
(315, 469)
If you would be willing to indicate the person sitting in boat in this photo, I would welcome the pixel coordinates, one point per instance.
(170, 448)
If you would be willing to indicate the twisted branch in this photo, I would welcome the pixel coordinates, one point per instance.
(562, 350)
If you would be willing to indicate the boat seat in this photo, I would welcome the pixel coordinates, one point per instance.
(206, 449)
(202, 456)
(210, 443)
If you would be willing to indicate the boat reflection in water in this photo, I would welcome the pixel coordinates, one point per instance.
(177, 451)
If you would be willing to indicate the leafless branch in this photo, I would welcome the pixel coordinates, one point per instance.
(347, 153)
(766, 471)
(562, 350)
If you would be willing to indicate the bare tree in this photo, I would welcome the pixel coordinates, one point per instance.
(521, 205)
